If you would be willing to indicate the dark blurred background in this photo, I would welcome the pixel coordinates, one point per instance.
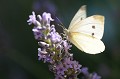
(18, 48)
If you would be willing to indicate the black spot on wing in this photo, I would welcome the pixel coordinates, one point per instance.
(93, 34)
(93, 27)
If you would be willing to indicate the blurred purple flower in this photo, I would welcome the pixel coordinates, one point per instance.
(95, 76)
(85, 71)
(44, 5)
(88, 75)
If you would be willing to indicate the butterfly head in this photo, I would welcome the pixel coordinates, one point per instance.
(66, 31)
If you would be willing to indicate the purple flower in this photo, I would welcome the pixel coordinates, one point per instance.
(43, 55)
(68, 63)
(38, 33)
(55, 50)
(55, 37)
(60, 69)
(47, 17)
(59, 77)
(32, 19)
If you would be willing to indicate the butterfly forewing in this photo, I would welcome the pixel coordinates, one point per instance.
(80, 15)
(93, 26)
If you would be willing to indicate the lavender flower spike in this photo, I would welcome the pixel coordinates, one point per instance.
(55, 50)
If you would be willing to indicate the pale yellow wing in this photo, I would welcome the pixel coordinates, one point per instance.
(80, 15)
(93, 26)
(87, 43)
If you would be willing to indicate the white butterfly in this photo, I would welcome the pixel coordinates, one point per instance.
(86, 33)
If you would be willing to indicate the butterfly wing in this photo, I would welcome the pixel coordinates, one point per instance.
(87, 43)
(80, 15)
(92, 26)
(85, 33)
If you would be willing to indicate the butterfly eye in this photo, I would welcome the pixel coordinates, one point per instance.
(93, 27)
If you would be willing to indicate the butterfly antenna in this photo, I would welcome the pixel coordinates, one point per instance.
(63, 27)
(61, 24)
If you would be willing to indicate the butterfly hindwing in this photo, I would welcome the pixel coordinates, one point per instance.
(87, 43)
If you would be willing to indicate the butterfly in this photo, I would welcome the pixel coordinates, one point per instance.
(86, 32)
